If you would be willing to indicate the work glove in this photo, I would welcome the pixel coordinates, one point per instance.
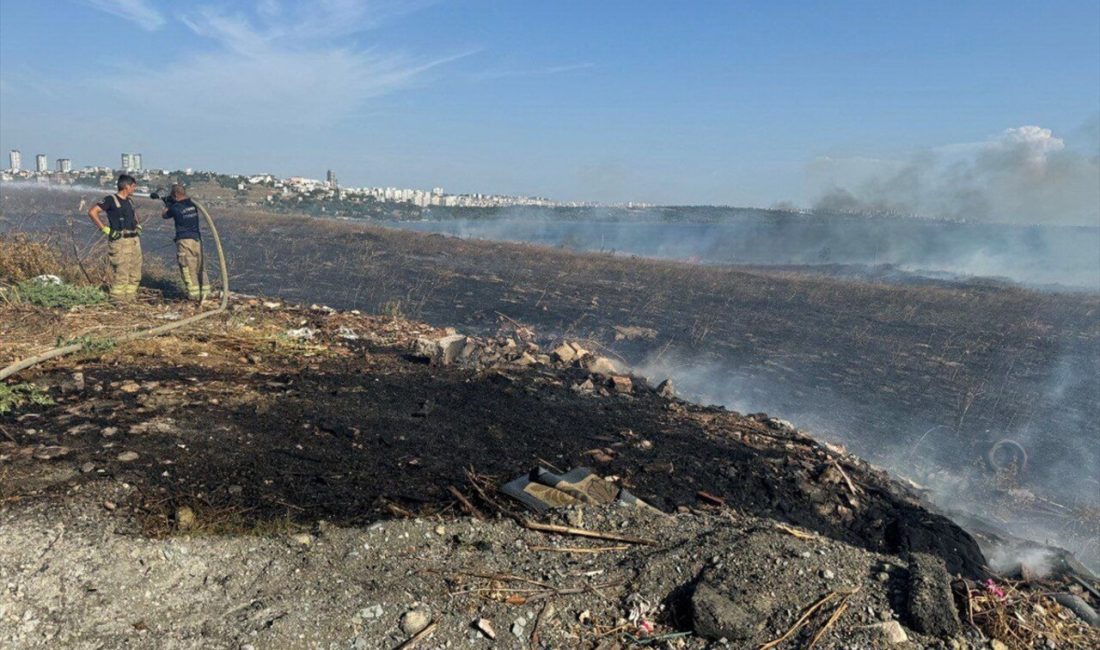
(138, 229)
(106, 230)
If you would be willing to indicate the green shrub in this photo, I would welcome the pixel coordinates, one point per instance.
(13, 396)
(47, 294)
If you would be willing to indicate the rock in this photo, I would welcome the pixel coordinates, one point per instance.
(414, 621)
(632, 333)
(931, 604)
(450, 347)
(235, 489)
(129, 387)
(305, 539)
(715, 616)
(51, 452)
(891, 632)
(74, 384)
(370, 613)
(666, 390)
(128, 456)
(87, 467)
(827, 574)
(518, 627)
(441, 351)
(579, 352)
(997, 645)
(109, 431)
(485, 627)
(585, 386)
(564, 353)
(620, 384)
(1078, 606)
(526, 359)
(185, 518)
(779, 425)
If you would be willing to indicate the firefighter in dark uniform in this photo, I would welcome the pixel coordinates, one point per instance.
(123, 235)
(188, 243)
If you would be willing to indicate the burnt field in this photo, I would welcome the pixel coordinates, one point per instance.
(919, 379)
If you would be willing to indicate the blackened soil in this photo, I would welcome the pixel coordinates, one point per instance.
(362, 432)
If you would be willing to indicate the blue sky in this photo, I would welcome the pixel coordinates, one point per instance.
(704, 102)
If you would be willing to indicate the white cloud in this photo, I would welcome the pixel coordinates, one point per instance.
(138, 12)
(488, 75)
(284, 64)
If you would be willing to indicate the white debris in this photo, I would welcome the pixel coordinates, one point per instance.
(301, 334)
(347, 333)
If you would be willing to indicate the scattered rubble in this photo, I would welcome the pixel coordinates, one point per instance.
(259, 513)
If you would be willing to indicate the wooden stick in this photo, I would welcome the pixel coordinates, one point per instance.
(793, 531)
(580, 532)
(546, 612)
(418, 637)
(801, 620)
(579, 549)
(855, 490)
(466, 505)
(710, 498)
(837, 613)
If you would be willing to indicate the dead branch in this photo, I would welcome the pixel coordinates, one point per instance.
(793, 531)
(466, 505)
(580, 532)
(579, 549)
(798, 625)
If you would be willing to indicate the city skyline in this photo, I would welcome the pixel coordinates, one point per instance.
(723, 104)
(282, 188)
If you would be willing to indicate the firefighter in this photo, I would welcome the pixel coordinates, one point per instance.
(188, 243)
(123, 234)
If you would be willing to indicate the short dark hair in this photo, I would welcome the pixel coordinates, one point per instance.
(126, 180)
(179, 191)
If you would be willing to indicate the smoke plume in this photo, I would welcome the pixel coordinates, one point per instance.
(1025, 175)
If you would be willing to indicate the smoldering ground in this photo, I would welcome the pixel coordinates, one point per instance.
(1035, 501)
(1037, 256)
(913, 377)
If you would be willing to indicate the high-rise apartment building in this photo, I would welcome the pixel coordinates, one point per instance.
(41, 164)
(15, 159)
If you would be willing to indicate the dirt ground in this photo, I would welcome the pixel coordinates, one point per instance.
(285, 477)
(919, 378)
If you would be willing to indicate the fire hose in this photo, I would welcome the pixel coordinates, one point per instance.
(140, 334)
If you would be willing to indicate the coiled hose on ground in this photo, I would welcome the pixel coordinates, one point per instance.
(139, 334)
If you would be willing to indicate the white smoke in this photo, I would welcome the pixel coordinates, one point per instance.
(1024, 175)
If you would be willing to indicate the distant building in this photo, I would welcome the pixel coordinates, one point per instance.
(41, 165)
(16, 160)
(131, 162)
(330, 178)
(64, 165)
